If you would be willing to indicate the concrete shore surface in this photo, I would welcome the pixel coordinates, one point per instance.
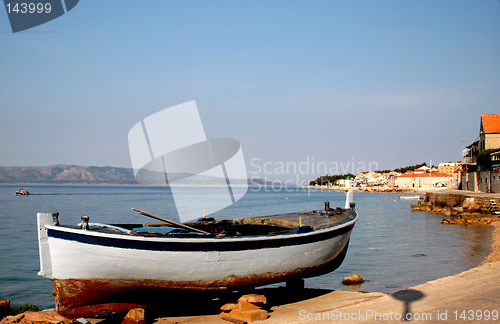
(446, 300)
(438, 301)
(468, 297)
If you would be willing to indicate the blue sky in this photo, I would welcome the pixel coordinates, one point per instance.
(389, 82)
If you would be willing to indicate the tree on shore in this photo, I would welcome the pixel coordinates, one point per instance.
(324, 180)
(410, 167)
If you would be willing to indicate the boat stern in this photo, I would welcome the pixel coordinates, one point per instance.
(44, 219)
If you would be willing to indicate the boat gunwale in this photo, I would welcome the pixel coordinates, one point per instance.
(206, 239)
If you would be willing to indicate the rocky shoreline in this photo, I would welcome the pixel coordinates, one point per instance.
(462, 208)
(467, 208)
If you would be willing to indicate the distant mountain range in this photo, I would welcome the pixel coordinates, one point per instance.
(62, 173)
(77, 174)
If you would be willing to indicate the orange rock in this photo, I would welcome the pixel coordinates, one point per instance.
(353, 280)
(246, 306)
(4, 304)
(254, 315)
(45, 317)
(12, 319)
(229, 307)
(235, 313)
(247, 316)
(475, 207)
(253, 298)
(134, 316)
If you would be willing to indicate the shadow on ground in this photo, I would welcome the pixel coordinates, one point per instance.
(408, 296)
(206, 304)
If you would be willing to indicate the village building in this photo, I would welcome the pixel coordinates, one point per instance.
(489, 132)
(391, 178)
(344, 183)
(447, 168)
(425, 169)
(489, 138)
(379, 180)
(424, 180)
(366, 179)
(477, 178)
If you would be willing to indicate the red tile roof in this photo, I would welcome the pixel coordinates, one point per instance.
(424, 175)
(491, 123)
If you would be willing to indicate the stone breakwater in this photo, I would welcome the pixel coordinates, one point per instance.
(462, 207)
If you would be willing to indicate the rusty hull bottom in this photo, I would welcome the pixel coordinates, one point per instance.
(87, 297)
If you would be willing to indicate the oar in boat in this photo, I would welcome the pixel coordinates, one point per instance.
(171, 222)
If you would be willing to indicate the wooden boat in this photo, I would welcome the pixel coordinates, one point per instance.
(99, 268)
(22, 192)
(417, 197)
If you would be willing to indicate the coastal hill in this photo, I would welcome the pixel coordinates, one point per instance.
(62, 173)
(77, 174)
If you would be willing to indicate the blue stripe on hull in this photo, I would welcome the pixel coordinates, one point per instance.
(201, 246)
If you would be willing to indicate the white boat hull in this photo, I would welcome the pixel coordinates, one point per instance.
(411, 197)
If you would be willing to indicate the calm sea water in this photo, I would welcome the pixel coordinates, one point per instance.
(391, 247)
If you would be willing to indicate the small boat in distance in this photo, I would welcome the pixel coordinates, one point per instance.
(22, 192)
(412, 197)
(101, 268)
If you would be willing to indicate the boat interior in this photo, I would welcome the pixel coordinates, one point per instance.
(295, 223)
